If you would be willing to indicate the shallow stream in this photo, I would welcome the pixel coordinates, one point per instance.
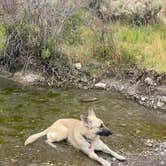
(25, 111)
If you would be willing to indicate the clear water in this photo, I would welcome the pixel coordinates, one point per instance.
(25, 111)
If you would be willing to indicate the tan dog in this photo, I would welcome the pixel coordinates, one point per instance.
(83, 135)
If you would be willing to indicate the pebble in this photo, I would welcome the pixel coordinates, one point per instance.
(137, 131)
(157, 149)
(162, 162)
(149, 143)
(160, 104)
(149, 81)
(123, 125)
(121, 88)
(143, 98)
(78, 66)
(13, 160)
(85, 87)
(162, 153)
(113, 159)
(100, 85)
(17, 146)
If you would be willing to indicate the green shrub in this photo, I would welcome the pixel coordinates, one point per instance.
(2, 39)
(136, 11)
(104, 51)
(71, 33)
(49, 48)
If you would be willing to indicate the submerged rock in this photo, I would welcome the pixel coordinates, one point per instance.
(89, 99)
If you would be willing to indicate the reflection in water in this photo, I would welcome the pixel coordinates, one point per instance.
(25, 111)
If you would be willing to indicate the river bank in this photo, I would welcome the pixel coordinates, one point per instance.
(146, 87)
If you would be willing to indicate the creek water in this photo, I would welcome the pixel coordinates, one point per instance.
(28, 110)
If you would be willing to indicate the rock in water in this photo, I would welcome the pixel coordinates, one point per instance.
(100, 85)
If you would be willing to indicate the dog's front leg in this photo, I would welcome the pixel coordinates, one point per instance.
(95, 157)
(100, 146)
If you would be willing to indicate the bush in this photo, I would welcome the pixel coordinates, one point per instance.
(136, 11)
(41, 30)
(33, 29)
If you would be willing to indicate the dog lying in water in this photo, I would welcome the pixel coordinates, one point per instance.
(83, 134)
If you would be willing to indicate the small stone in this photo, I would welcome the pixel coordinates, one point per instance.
(114, 159)
(162, 162)
(162, 153)
(137, 131)
(160, 104)
(149, 81)
(149, 143)
(157, 149)
(155, 107)
(143, 98)
(121, 88)
(123, 125)
(100, 85)
(13, 160)
(78, 66)
(84, 79)
(85, 87)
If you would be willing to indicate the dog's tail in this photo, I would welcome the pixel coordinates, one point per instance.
(34, 137)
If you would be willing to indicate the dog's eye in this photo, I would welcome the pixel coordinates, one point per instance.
(101, 126)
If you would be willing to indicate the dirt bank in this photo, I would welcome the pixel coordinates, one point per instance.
(146, 87)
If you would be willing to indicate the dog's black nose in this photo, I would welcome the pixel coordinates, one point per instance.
(110, 132)
(104, 132)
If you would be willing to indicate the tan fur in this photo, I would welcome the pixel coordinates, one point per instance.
(75, 131)
(34, 137)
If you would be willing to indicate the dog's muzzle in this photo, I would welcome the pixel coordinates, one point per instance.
(104, 132)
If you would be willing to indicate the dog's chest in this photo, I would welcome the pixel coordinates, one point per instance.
(89, 140)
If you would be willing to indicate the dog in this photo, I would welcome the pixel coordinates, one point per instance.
(83, 134)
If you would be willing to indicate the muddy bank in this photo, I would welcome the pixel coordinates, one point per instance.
(146, 87)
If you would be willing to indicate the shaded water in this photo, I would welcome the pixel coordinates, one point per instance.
(25, 111)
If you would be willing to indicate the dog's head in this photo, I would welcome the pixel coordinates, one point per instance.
(94, 124)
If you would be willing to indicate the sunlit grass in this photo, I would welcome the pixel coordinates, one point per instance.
(146, 44)
(2, 39)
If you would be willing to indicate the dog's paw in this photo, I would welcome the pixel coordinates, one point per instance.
(121, 158)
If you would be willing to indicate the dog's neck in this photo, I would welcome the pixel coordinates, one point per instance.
(89, 140)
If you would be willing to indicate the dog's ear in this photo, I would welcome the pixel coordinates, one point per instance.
(85, 120)
(91, 113)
